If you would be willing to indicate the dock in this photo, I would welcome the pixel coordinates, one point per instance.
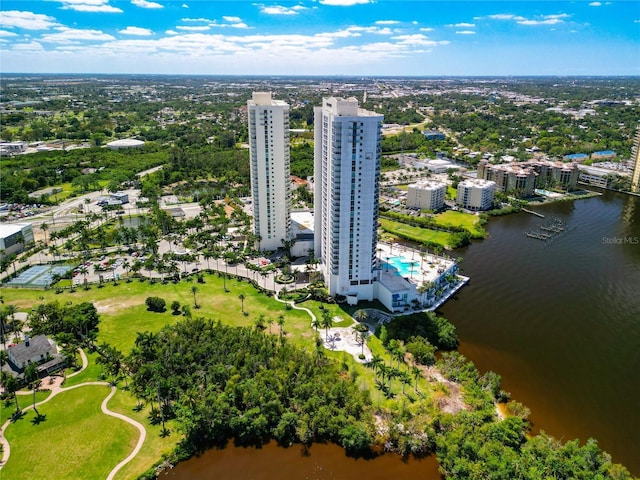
(533, 213)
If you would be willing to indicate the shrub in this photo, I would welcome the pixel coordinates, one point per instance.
(156, 304)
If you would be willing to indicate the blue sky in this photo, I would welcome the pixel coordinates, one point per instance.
(321, 37)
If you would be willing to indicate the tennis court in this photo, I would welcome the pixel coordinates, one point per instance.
(39, 276)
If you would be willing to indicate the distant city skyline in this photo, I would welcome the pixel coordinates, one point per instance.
(321, 37)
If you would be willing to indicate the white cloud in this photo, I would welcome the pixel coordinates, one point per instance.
(146, 4)
(280, 10)
(344, 3)
(171, 32)
(98, 6)
(418, 39)
(73, 35)
(189, 28)
(387, 22)
(503, 16)
(373, 30)
(184, 5)
(465, 32)
(595, 4)
(554, 19)
(33, 47)
(636, 21)
(232, 19)
(137, 31)
(200, 20)
(4, 33)
(240, 25)
(426, 29)
(26, 20)
(462, 25)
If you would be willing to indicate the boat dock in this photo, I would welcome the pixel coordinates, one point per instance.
(533, 213)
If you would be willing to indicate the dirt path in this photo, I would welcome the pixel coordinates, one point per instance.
(56, 388)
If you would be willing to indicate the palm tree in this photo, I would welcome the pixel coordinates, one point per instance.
(11, 386)
(315, 323)
(405, 378)
(270, 322)
(259, 322)
(361, 315)
(281, 324)
(416, 374)
(44, 227)
(9, 313)
(326, 323)
(32, 379)
(127, 266)
(194, 290)
(363, 339)
(242, 297)
(376, 361)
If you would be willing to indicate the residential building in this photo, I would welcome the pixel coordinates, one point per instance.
(346, 183)
(39, 350)
(635, 161)
(476, 194)
(524, 177)
(269, 162)
(426, 195)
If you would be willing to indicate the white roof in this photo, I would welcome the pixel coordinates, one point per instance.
(125, 142)
(7, 229)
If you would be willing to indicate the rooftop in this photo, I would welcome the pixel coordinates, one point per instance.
(7, 229)
(38, 345)
(126, 142)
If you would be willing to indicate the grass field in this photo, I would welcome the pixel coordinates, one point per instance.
(418, 234)
(99, 442)
(468, 221)
(41, 449)
(8, 406)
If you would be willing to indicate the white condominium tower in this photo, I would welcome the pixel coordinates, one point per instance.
(346, 176)
(270, 180)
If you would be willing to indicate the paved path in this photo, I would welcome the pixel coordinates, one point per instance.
(338, 338)
(56, 388)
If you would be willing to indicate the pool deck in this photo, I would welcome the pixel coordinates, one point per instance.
(430, 266)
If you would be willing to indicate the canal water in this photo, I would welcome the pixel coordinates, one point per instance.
(559, 320)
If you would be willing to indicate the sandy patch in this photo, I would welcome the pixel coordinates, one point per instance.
(113, 305)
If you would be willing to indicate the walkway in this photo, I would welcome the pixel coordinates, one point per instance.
(338, 338)
(56, 388)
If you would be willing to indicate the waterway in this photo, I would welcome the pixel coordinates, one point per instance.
(558, 320)
(318, 462)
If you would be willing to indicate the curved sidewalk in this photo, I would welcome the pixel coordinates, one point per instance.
(56, 388)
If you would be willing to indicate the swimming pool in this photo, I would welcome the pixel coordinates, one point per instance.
(403, 266)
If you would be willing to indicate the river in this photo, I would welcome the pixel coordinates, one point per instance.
(558, 320)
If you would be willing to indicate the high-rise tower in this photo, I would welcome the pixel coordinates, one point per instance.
(346, 176)
(269, 160)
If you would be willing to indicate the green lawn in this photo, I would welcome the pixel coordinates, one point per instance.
(418, 234)
(8, 406)
(43, 450)
(75, 414)
(451, 192)
(470, 222)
